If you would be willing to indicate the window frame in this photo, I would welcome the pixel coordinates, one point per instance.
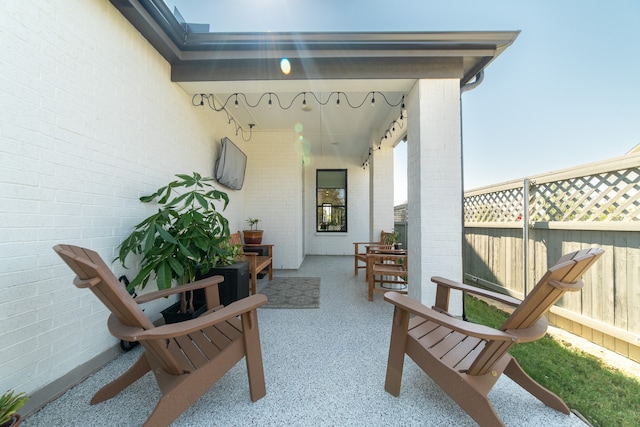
(320, 206)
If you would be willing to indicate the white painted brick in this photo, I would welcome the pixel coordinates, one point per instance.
(74, 158)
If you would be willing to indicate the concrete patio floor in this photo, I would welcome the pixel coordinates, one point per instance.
(323, 367)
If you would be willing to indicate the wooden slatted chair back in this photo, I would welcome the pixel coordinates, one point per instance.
(92, 273)
(563, 277)
(383, 237)
(236, 239)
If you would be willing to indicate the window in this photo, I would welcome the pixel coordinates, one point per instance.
(331, 200)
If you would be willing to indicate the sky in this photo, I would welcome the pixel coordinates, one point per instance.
(564, 94)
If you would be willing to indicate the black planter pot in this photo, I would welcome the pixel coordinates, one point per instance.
(171, 314)
(235, 285)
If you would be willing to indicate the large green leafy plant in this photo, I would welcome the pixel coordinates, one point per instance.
(187, 236)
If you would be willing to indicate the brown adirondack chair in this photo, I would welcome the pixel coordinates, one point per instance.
(186, 358)
(467, 359)
(360, 250)
(257, 263)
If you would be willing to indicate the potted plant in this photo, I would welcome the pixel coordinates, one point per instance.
(186, 237)
(253, 235)
(392, 238)
(10, 402)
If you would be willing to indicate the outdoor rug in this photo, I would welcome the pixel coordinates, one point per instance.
(292, 292)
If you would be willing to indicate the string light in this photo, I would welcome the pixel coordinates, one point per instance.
(386, 135)
(199, 100)
(271, 95)
(366, 161)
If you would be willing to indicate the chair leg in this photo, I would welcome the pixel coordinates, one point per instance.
(517, 374)
(397, 346)
(177, 400)
(253, 356)
(254, 281)
(136, 371)
(477, 406)
(179, 392)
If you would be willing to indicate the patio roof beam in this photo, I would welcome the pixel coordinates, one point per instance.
(318, 69)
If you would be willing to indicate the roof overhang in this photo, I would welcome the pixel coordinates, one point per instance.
(313, 56)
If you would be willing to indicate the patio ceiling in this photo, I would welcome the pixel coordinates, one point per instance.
(354, 64)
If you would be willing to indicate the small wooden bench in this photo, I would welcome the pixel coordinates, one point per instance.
(257, 263)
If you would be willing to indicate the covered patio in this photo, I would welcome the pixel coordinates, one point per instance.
(101, 106)
(323, 367)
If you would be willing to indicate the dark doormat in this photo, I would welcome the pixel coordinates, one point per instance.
(292, 292)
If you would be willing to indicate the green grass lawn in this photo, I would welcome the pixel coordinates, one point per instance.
(604, 396)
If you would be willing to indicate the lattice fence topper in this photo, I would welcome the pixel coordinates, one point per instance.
(499, 206)
(604, 196)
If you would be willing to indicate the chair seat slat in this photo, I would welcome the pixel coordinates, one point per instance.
(218, 338)
(419, 327)
(191, 351)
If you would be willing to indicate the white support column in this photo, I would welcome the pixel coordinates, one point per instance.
(381, 187)
(435, 188)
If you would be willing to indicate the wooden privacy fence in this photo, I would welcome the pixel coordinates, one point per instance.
(514, 230)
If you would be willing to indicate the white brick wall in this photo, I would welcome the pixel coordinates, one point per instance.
(381, 191)
(89, 121)
(357, 208)
(273, 193)
(434, 186)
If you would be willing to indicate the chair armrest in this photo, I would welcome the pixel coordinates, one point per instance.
(388, 253)
(199, 284)
(381, 247)
(472, 329)
(252, 257)
(174, 330)
(532, 333)
(505, 299)
(356, 245)
(380, 258)
(259, 245)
